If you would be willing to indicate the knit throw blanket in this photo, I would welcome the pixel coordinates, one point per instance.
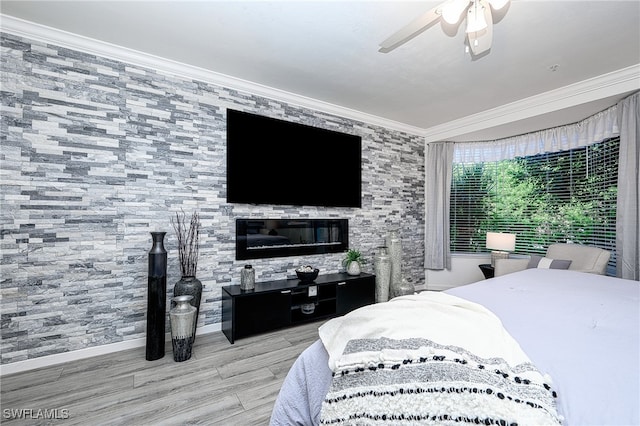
(415, 380)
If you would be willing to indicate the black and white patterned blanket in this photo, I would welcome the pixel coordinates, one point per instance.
(417, 381)
(431, 358)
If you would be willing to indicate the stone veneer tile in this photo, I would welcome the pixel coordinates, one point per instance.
(97, 153)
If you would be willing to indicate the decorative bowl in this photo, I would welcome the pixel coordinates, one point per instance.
(308, 308)
(307, 274)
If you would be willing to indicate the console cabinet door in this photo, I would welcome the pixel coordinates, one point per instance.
(353, 294)
(262, 312)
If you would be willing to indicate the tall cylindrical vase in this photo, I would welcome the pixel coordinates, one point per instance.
(189, 286)
(156, 297)
(382, 266)
(394, 246)
(183, 317)
(247, 278)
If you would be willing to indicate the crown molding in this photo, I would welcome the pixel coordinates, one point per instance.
(44, 34)
(611, 84)
(614, 83)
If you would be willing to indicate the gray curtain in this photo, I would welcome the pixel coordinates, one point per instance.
(628, 216)
(594, 129)
(438, 167)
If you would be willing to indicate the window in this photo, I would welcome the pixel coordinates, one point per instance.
(567, 196)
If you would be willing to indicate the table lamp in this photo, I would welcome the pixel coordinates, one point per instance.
(500, 245)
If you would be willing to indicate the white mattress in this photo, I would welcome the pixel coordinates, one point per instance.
(582, 329)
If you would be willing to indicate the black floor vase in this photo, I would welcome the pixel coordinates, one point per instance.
(156, 298)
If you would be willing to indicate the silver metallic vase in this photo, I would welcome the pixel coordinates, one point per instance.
(382, 266)
(247, 278)
(183, 317)
(189, 286)
(406, 287)
(394, 246)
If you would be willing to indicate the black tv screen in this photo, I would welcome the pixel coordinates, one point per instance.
(271, 161)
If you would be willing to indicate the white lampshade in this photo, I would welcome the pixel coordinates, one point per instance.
(475, 18)
(452, 10)
(501, 241)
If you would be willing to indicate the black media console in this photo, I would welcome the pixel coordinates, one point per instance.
(279, 304)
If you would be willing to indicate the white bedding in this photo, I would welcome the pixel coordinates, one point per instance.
(582, 329)
(443, 318)
(454, 361)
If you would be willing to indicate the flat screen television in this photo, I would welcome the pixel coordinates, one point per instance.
(271, 161)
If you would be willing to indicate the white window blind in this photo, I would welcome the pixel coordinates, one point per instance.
(566, 196)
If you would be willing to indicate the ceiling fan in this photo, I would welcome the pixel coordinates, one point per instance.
(479, 27)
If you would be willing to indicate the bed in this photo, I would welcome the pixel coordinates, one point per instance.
(572, 337)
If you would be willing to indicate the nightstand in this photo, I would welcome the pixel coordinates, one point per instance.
(487, 270)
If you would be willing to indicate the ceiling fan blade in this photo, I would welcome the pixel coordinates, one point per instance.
(480, 42)
(411, 30)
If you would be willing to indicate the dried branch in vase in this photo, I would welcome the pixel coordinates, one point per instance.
(187, 232)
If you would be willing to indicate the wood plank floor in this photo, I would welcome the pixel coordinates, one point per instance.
(222, 384)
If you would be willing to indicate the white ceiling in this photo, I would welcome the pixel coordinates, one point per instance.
(328, 51)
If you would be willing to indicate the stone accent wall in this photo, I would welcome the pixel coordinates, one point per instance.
(97, 153)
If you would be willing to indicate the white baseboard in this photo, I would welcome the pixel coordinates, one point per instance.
(50, 360)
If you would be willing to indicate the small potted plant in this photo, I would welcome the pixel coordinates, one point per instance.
(353, 261)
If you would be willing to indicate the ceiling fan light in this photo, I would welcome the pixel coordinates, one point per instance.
(452, 10)
(498, 4)
(475, 18)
